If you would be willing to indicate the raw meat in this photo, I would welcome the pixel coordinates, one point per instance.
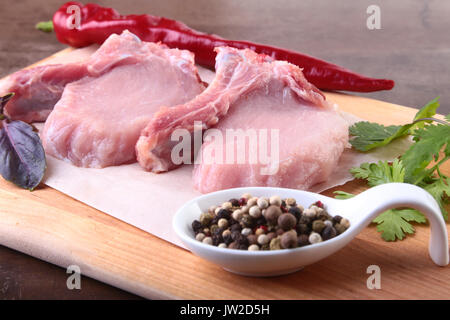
(38, 89)
(97, 121)
(252, 91)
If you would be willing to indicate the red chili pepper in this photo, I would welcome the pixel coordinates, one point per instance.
(98, 23)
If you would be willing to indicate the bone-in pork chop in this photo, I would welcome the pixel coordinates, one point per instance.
(253, 92)
(38, 89)
(97, 121)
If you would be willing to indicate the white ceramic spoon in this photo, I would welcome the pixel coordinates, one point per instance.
(360, 211)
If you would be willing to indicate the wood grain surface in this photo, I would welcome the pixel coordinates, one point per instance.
(411, 48)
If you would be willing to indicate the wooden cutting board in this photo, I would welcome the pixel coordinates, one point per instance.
(51, 226)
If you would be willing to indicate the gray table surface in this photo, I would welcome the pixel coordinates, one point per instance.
(412, 47)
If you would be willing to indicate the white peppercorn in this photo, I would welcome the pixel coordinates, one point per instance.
(252, 201)
(314, 237)
(226, 233)
(253, 247)
(222, 223)
(310, 213)
(237, 214)
(207, 240)
(227, 205)
(246, 196)
(255, 212)
(262, 203)
(263, 239)
(246, 231)
(222, 245)
(345, 223)
(290, 202)
(200, 236)
(315, 208)
(259, 231)
(275, 200)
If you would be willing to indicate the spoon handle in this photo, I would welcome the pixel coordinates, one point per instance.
(369, 204)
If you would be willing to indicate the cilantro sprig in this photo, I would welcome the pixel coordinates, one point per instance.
(369, 135)
(419, 165)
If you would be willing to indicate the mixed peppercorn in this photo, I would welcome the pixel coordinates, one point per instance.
(252, 223)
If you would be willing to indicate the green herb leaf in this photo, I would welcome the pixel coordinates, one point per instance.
(440, 190)
(369, 135)
(393, 224)
(342, 195)
(429, 142)
(380, 173)
(45, 26)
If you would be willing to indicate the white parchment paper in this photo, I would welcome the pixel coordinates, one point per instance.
(149, 201)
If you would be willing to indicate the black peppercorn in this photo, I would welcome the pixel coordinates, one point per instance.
(337, 219)
(224, 213)
(215, 220)
(217, 238)
(227, 238)
(235, 235)
(216, 230)
(239, 238)
(234, 202)
(261, 221)
(302, 228)
(302, 240)
(236, 227)
(296, 212)
(243, 246)
(304, 220)
(322, 215)
(328, 233)
(247, 221)
(197, 226)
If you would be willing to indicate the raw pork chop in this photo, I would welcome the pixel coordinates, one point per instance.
(38, 89)
(98, 119)
(251, 91)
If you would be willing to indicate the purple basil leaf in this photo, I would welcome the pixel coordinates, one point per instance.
(22, 157)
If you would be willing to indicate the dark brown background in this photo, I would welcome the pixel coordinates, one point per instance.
(413, 48)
